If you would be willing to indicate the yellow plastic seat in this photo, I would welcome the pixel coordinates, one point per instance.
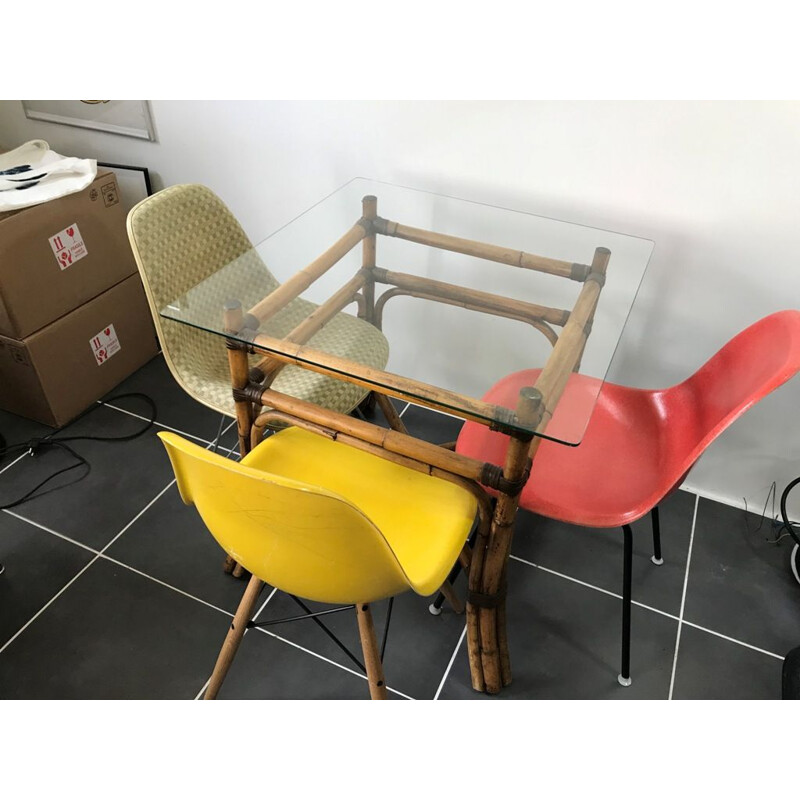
(324, 521)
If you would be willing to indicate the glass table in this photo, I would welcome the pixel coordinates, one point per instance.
(477, 292)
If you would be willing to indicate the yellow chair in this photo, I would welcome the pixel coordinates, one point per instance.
(325, 521)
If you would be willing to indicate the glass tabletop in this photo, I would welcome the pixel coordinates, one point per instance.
(464, 293)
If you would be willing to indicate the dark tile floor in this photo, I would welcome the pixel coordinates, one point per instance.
(113, 589)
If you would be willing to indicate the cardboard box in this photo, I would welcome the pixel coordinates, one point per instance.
(57, 255)
(57, 372)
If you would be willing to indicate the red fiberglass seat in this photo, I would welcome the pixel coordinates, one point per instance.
(640, 443)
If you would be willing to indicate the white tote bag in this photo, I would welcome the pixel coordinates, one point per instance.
(33, 174)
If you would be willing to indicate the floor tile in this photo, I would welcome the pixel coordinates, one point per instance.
(564, 642)
(170, 542)
(595, 555)
(37, 566)
(124, 477)
(711, 668)
(741, 584)
(113, 634)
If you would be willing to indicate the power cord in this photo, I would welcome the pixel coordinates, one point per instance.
(782, 529)
(794, 558)
(53, 441)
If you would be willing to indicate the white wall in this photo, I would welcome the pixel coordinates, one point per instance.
(715, 185)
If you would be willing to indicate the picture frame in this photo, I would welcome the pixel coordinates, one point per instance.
(122, 117)
(133, 182)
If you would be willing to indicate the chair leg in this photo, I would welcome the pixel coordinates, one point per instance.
(372, 658)
(234, 638)
(390, 412)
(656, 557)
(223, 418)
(446, 589)
(446, 592)
(624, 676)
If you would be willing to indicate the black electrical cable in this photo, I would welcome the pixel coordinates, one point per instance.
(775, 524)
(37, 445)
(787, 523)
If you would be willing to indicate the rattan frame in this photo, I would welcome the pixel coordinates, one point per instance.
(486, 631)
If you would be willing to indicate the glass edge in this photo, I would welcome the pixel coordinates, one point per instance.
(459, 199)
(407, 398)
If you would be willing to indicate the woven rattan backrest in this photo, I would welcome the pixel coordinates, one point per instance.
(182, 235)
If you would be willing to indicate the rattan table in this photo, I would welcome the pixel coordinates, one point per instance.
(482, 292)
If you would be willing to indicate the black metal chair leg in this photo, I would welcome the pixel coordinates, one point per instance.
(624, 676)
(223, 419)
(436, 606)
(656, 557)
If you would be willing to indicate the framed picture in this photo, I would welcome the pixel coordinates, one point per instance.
(125, 117)
(133, 182)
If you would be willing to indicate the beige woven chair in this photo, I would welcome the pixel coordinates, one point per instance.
(184, 234)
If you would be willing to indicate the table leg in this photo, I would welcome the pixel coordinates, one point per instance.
(490, 663)
(237, 359)
(240, 369)
(369, 210)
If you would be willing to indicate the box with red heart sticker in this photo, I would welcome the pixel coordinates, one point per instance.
(58, 371)
(56, 256)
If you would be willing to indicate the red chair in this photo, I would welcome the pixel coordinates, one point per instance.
(640, 443)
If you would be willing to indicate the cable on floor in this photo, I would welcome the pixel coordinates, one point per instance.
(781, 529)
(53, 441)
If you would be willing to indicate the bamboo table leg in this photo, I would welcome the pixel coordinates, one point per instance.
(490, 664)
(237, 361)
(369, 211)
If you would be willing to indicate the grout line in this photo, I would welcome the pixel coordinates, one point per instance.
(437, 411)
(157, 497)
(8, 466)
(651, 608)
(50, 530)
(161, 424)
(731, 639)
(163, 583)
(48, 603)
(203, 690)
(450, 665)
(683, 599)
(407, 406)
(596, 588)
(263, 606)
